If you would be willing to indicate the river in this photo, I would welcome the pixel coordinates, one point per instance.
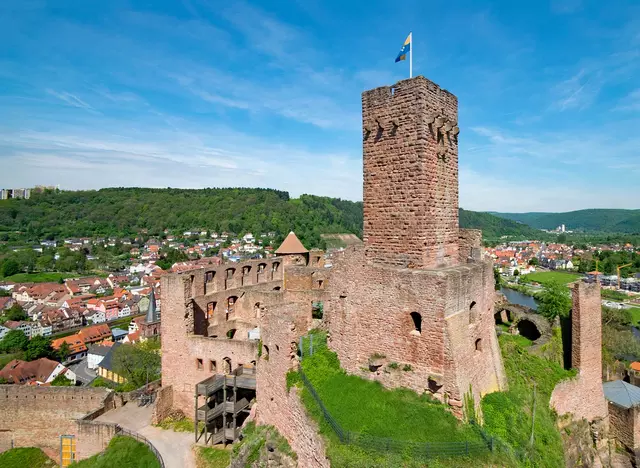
(516, 297)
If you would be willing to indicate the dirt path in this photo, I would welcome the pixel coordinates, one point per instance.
(175, 447)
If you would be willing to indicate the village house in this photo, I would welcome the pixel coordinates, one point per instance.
(95, 334)
(96, 354)
(105, 367)
(39, 372)
(6, 302)
(77, 348)
(24, 326)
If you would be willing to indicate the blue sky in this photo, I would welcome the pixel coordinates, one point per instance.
(203, 93)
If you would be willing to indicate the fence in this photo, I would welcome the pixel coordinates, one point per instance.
(122, 431)
(368, 442)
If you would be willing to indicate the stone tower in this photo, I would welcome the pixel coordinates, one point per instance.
(410, 155)
(418, 292)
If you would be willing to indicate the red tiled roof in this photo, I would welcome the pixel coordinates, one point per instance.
(95, 333)
(18, 371)
(76, 345)
(291, 245)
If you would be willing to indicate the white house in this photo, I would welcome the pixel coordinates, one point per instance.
(124, 311)
(97, 317)
(95, 355)
(3, 331)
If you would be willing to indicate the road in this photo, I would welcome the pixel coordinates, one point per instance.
(83, 373)
(175, 447)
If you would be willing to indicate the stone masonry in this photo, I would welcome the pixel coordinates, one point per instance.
(410, 159)
(38, 416)
(418, 293)
(583, 396)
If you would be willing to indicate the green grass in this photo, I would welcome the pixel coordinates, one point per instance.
(177, 423)
(25, 457)
(254, 439)
(366, 407)
(6, 358)
(211, 457)
(508, 415)
(44, 277)
(106, 383)
(122, 452)
(613, 295)
(544, 277)
(635, 315)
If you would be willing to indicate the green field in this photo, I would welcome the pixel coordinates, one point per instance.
(122, 452)
(48, 277)
(544, 277)
(25, 457)
(635, 315)
(212, 457)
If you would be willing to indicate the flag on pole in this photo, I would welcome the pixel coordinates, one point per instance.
(406, 48)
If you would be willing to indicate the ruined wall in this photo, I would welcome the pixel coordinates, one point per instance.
(92, 437)
(164, 404)
(188, 358)
(583, 395)
(38, 416)
(277, 406)
(410, 156)
(470, 244)
(369, 311)
(621, 424)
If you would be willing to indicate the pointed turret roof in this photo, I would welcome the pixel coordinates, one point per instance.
(291, 245)
(152, 313)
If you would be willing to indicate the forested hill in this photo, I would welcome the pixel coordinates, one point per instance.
(125, 211)
(592, 220)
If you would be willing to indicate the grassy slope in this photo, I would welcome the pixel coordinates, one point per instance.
(46, 277)
(122, 452)
(543, 277)
(26, 457)
(212, 457)
(366, 407)
(602, 220)
(508, 415)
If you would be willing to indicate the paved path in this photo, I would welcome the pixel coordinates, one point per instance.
(175, 447)
(83, 373)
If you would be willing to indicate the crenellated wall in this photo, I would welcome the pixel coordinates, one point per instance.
(38, 416)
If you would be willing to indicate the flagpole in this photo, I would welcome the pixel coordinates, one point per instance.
(411, 55)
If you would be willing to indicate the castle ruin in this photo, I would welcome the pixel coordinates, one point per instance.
(417, 292)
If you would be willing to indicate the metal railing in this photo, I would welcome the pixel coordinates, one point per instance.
(134, 435)
(369, 442)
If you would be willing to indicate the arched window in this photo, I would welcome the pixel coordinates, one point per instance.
(479, 344)
(231, 333)
(472, 305)
(211, 308)
(265, 352)
(246, 270)
(417, 322)
(472, 312)
(256, 309)
(275, 266)
(226, 365)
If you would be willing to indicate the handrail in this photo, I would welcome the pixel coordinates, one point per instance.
(122, 431)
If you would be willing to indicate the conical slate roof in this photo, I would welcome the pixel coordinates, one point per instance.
(622, 393)
(152, 312)
(291, 245)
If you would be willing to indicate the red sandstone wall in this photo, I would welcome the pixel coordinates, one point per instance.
(410, 175)
(621, 425)
(470, 244)
(38, 416)
(583, 395)
(164, 404)
(276, 406)
(92, 438)
(368, 312)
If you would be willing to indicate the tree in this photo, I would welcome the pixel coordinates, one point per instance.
(516, 272)
(497, 278)
(562, 238)
(38, 347)
(15, 312)
(63, 351)
(533, 261)
(554, 301)
(14, 341)
(138, 364)
(10, 267)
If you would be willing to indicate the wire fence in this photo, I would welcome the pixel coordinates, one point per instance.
(383, 444)
(122, 431)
